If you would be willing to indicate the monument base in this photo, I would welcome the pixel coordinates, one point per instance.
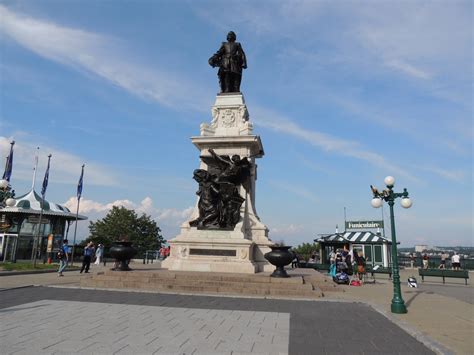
(242, 249)
(215, 251)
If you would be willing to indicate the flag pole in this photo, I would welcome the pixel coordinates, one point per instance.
(79, 193)
(35, 167)
(43, 193)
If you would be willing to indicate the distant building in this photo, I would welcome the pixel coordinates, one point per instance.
(421, 248)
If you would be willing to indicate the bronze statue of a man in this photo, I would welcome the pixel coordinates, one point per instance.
(230, 59)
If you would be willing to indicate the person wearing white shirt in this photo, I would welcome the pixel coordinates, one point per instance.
(456, 261)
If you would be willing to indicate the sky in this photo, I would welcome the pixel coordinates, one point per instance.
(342, 94)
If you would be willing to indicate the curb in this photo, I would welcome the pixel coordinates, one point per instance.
(30, 272)
(15, 288)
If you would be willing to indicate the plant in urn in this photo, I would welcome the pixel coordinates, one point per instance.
(280, 256)
(123, 251)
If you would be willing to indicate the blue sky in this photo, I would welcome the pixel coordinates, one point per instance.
(341, 93)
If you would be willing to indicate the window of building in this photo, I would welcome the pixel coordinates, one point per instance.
(378, 258)
(368, 253)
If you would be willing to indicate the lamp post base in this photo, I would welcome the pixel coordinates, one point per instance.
(399, 308)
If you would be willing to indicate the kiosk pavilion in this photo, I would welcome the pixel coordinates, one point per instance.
(374, 247)
(19, 222)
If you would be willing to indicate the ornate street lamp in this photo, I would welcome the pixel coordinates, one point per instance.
(387, 195)
(6, 194)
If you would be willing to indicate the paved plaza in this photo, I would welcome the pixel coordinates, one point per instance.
(440, 317)
(55, 320)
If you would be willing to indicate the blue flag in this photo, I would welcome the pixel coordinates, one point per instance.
(9, 165)
(79, 184)
(46, 178)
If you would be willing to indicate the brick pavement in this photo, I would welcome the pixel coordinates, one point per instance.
(51, 326)
(130, 322)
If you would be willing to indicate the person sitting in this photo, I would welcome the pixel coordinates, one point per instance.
(312, 259)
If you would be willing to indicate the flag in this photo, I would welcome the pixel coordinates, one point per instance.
(46, 178)
(79, 184)
(9, 165)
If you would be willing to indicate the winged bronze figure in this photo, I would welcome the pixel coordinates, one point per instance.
(219, 198)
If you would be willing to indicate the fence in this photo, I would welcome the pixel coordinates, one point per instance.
(434, 262)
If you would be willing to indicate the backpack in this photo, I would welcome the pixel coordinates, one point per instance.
(341, 278)
(61, 255)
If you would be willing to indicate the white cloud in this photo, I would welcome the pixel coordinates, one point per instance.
(66, 167)
(99, 54)
(90, 206)
(453, 175)
(164, 216)
(352, 149)
(408, 69)
(429, 42)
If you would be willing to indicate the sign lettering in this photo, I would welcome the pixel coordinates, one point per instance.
(363, 224)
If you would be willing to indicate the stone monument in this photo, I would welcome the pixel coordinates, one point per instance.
(225, 233)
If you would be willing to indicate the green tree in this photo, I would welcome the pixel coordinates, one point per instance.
(305, 250)
(124, 224)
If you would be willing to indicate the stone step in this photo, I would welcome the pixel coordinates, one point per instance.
(225, 290)
(208, 283)
(205, 283)
(164, 274)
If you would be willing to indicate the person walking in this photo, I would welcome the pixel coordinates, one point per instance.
(99, 253)
(63, 257)
(412, 261)
(295, 261)
(86, 262)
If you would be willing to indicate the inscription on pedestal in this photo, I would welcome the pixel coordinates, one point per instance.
(212, 252)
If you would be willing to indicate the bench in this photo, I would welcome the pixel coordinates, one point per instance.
(379, 270)
(459, 274)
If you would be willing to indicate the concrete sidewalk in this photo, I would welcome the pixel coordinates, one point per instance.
(444, 313)
(441, 316)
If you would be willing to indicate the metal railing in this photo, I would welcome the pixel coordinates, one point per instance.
(434, 262)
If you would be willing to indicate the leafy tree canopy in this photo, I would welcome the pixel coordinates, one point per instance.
(124, 224)
(305, 250)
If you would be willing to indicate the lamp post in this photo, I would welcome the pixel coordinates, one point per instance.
(389, 196)
(7, 195)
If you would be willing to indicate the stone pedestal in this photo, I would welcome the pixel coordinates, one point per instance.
(240, 250)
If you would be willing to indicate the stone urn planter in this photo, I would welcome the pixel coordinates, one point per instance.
(280, 256)
(122, 251)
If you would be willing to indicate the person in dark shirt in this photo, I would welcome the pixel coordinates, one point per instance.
(360, 261)
(86, 262)
(63, 257)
